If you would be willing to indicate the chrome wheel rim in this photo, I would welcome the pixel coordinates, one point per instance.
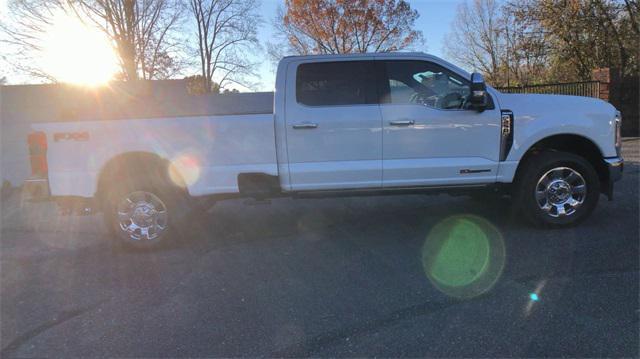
(560, 192)
(142, 216)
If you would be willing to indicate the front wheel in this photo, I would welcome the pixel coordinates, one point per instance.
(557, 189)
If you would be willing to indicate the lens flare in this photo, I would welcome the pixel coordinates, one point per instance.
(184, 170)
(534, 297)
(463, 256)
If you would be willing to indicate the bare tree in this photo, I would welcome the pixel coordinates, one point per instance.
(632, 7)
(22, 32)
(476, 39)
(144, 33)
(142, 30)
(226, 32)
(527, 51)
(501, 41)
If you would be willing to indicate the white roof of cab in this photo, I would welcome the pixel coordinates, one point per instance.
(379, 55)
(365, 54)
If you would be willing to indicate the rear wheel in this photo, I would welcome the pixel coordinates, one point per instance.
(143, 215)
(557, 189)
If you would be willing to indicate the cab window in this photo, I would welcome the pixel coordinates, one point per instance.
(336, 83)
(424, 83)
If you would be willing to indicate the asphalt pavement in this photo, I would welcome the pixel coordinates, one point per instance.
(327, 277)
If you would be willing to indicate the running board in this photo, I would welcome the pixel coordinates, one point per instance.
(388, 191)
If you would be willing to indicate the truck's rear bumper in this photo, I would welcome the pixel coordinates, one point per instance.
(615, 167)
(36, 189)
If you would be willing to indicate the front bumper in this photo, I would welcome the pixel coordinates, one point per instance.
(615, 167)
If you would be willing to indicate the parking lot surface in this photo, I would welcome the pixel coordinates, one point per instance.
(327, 277)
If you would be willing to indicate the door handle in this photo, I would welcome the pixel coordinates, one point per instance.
(305, 126)
(402, 123)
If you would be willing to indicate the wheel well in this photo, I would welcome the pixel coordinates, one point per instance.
(578, 145)
(132, 164)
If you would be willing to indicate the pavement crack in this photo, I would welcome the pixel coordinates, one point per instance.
(62, 317)
(323, 340)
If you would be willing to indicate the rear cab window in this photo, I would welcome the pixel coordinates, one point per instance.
(336, 83)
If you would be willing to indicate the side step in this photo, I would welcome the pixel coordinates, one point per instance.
(259, 187)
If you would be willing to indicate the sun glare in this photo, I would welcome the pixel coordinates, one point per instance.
(77, 53)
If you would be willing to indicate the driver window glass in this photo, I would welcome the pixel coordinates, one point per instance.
(424, 83)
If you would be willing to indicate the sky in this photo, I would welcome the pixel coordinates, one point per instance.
(434, 22)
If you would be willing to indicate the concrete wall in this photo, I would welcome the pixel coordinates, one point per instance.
(23, 105)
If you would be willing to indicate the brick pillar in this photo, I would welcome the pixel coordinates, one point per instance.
(603, 76)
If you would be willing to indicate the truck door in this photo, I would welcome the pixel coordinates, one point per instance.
(333, 125)
(429, 135)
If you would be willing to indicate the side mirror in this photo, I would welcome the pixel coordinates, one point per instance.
(478, 96)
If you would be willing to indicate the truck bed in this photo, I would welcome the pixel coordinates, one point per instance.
(23, 106)
(208, 151)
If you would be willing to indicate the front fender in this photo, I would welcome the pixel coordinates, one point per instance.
(537, 117)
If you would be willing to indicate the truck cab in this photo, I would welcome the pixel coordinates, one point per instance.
(383, 121)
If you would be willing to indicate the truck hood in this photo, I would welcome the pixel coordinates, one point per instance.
(536, 105)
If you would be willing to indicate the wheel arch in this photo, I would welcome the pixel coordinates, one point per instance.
(572, 143)
(137, 163)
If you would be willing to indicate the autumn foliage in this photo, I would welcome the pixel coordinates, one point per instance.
(348, 26)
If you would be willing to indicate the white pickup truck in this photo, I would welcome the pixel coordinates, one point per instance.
(387, 123)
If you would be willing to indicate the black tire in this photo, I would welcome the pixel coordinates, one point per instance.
(173, 199)
(543, 163)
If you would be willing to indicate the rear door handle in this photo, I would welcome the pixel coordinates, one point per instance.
(402, 123)
(305, 126)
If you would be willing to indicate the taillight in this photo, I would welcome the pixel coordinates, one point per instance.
(37, 142)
